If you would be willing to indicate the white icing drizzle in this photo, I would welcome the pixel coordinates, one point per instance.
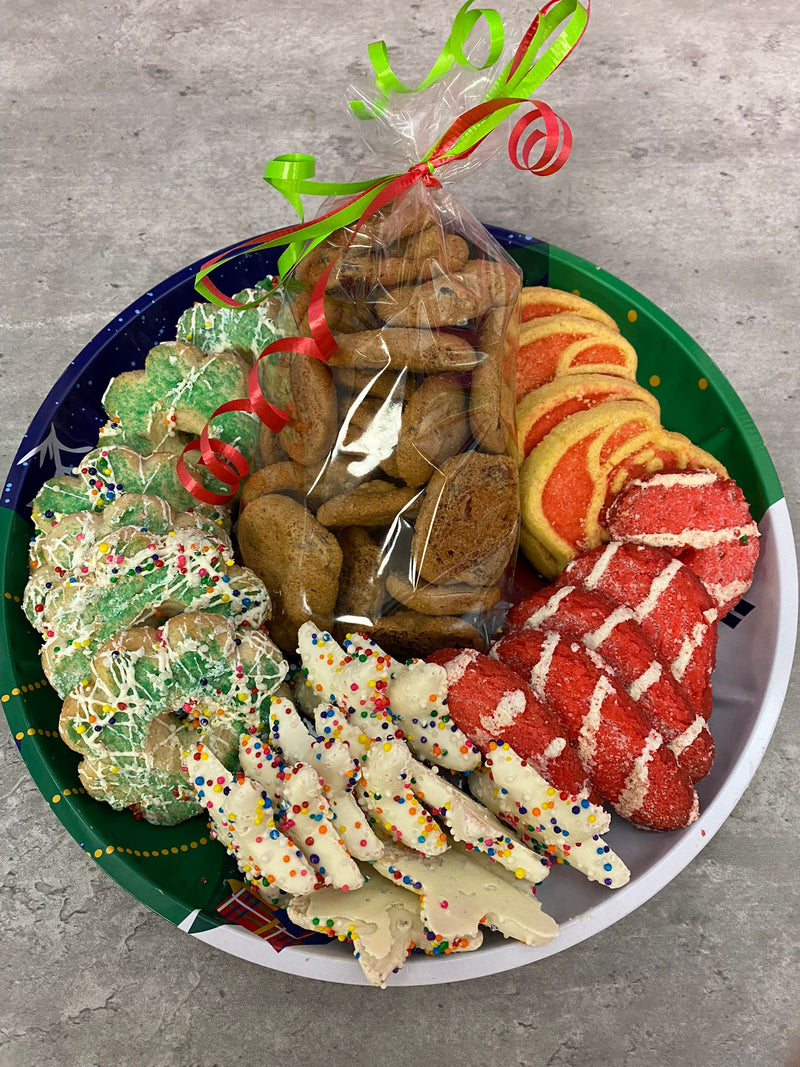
(538, 678)
(620, 614)
(723, 594)
(457, 667)
(546, 611)
(646, 679)
(555, 748)
(506, 712)
(658, 586)
(637, 783)
(680, 743)
(689, 646)
(587, 736)
(595, 576)
(698, 539)
(688, 478)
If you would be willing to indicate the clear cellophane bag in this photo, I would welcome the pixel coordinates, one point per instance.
(399, 454)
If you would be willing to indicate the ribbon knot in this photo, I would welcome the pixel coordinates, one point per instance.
(424, 172)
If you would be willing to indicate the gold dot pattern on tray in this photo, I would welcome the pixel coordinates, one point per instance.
(654, 380)
(633, 315)
(702, 383)
(14, 597)
(17, 691)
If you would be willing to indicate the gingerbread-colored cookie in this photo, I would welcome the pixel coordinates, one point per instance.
(296, 557)
(304, 389)
(467, 526)
(373, 504)
(284, 477)
(491, 397)
(495, 282)
(435, 426)
(270, 448)
(442, 599)
(382, 382)
(421, 257)
(398, 347)
(442, 301)
(362, 587)
(407, 634)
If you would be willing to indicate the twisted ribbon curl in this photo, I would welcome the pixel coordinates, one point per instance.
(293, 176)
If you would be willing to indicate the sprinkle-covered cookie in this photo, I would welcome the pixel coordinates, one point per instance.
(122, 575)
(149, 694)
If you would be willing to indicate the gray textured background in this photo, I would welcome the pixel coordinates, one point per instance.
(133, 138)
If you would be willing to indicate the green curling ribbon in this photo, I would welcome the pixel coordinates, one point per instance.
(387, 82)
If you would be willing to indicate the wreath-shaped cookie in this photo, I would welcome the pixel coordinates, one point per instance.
(152, 694)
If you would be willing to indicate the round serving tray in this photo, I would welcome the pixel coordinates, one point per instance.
(186, 877)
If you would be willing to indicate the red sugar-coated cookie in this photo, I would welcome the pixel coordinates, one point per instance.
(610, 629)
(488, 701)
(631, 767)
(669, 602)
(701, 519)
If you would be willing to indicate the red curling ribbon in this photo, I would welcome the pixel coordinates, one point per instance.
(556, 135)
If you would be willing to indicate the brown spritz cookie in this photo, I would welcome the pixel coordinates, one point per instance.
(373, 504)
(297, 559)
(496, 282)
(382, 382)
(467, 526)
(442, 301)
(406, 634)
(435, 426)
(442, 599)
(283, 477)
(270, 448)
(492, 399)
(362, 588)
(303, 388)
(428, 351)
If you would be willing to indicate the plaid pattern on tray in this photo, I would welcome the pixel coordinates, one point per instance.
(266, 921)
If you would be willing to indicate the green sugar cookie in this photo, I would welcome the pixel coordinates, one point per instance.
(105, 474)
(178, 391)
(223, 329)
(125, 575)
(56, 547)
(150, 695)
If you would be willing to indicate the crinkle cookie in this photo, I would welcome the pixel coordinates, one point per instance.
(150, 695)
(120, 576)
(179, 390)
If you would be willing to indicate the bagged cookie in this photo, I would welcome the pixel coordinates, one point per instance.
(392, 398)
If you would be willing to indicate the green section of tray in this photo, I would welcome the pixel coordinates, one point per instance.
(172, 870)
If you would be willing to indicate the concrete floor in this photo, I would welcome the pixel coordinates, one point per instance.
(134, 135)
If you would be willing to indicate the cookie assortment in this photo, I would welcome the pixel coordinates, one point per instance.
(395, 786)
